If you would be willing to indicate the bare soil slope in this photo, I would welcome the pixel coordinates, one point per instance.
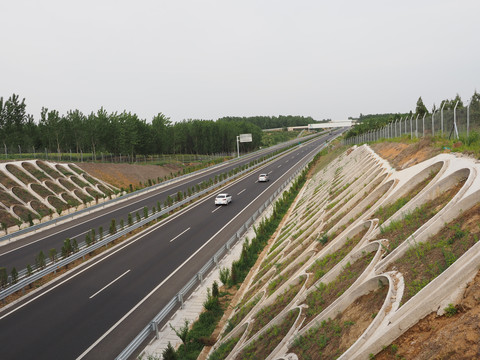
(402, 156)
(435, 337)
(122, 175)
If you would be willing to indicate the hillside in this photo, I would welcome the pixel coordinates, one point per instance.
(368, 252)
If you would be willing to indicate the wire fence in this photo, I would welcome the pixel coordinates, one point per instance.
(19, 153)
(452, 124)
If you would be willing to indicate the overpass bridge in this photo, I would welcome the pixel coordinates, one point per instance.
(326, 125)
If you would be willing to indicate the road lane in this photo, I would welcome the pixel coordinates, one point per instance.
(24, 251)
(66, 321)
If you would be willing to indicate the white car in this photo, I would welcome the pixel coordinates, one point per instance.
(223, 199)
(263, 178)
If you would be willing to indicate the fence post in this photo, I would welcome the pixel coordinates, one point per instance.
(441, 116)
(411, 129)
(416, 126)
(433, 122)
(423, 124)
(468, 118)
(455, 119)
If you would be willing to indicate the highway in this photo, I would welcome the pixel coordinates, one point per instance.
(99, 307)
(24, 251)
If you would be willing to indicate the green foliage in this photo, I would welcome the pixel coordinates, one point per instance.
(182, 333)
(66, 248)
(224, 275)
(215, 291)
(211, 302)
(40, 260)
(74, 245)
(88, 239)
(421, 109)
(3, 277)
(224, 349)
(29, 270)
(450, 310)
(52, 254)
(323, 239)
(169, 353)
(14, 275)
(371, 122)
(113, 227)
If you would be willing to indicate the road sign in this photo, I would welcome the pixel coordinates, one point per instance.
(245, 138)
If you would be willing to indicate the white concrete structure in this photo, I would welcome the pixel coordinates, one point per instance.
(341, 201)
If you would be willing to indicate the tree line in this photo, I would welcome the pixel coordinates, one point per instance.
(370, 122)
(126, 133)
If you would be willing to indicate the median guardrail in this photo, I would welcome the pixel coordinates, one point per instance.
(177, 300)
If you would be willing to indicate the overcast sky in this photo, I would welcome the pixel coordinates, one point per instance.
(206, 59)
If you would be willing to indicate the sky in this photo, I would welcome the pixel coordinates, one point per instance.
(192, 59)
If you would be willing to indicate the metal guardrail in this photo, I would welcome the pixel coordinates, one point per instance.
(24, 279)
(112, 201)
(36, 227)
(178, 299)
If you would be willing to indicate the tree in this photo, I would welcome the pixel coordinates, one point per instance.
(14, 275)
(421, 109)
(169, 353)
(113, 227)
(182, 333)
(40, 260)
(475, 103)
(3, 277)
(52, 254)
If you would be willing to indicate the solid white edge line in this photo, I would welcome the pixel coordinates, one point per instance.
(168, 277)
(132, 241)
(176, 237)
(110, 283)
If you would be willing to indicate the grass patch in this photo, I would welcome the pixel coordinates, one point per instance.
(50, 171)
(240, 315)
(40, 175)
(333, 337)
(424, 261)
(397, 231)
(384, 213)
(41, 190)
(7, 181)
(19, 174)
(326, 294)
(269, 340)
(327, 262)
(224, 350)
(267, 313)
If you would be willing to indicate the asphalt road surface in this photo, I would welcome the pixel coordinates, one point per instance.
(98, 308)
(24, 251)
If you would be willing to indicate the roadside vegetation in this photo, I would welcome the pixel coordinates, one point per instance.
(233, 277)
(398, 231)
